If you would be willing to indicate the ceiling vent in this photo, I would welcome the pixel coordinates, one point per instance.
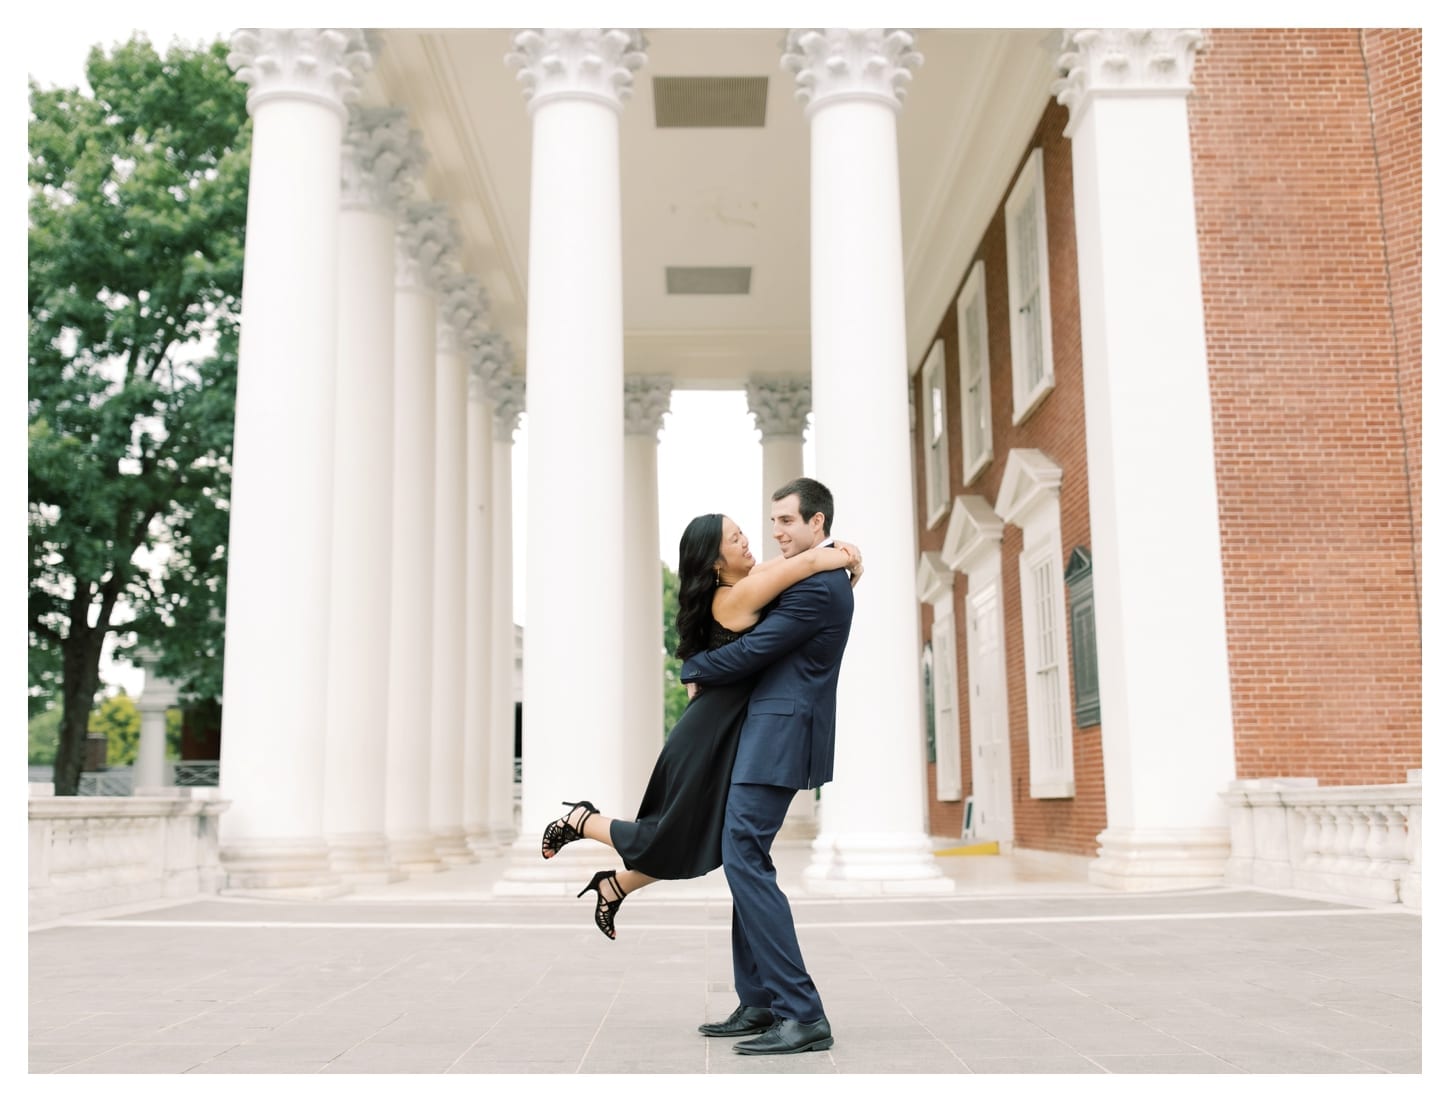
(709, 101)
(707, 281)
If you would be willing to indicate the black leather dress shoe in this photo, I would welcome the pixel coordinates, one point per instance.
(742, 1023)
(787, 1036)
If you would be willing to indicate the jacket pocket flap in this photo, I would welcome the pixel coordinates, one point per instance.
(772, 707)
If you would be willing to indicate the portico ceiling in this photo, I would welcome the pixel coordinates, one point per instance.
(718, 196)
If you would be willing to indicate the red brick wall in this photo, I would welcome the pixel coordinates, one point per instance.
(1308, 381)
(1057, 428)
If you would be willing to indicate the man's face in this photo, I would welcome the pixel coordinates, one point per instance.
(793, 532)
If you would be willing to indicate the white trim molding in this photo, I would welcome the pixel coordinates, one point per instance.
(935, 583)
(1028, 498)
(935, 434)
(974, 531)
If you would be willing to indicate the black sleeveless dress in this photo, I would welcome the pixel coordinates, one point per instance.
(676, 835)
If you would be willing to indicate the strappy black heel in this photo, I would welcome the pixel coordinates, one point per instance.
(604, 909)
(561, 832)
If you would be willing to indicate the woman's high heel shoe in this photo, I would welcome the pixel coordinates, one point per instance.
(561, 832)
(604, 909)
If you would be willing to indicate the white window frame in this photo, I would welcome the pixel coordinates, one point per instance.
(975, 372)
(1027, 200)
(935, 448)
(1049, 707)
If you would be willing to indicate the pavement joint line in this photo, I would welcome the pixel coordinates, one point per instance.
(1012, 920)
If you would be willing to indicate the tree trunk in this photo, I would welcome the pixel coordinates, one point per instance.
(80, 679)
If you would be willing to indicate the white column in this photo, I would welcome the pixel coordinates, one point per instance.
(1167, 720)
(423, 236)
(461, 304)
(275, 671)
(576, 82)
(506, 391)
(478, 603)
(157, 695)
(873, 816)
(646, 401)
(381, 158)
(780, 407)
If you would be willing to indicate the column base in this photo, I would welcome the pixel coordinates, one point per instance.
(1136, 859)
(361, 859)
(452, 847)
(560, 877)
(875, 864)
(480, 842)
(263, 864)
(413, 854)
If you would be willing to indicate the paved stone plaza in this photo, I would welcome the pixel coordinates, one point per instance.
(1014, 972)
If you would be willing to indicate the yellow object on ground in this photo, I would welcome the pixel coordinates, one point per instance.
(980, 849)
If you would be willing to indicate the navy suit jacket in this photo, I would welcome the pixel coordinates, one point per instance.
(789, 737)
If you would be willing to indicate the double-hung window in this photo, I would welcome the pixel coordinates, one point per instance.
(1027, 294)
(975, 375)
(934, 432)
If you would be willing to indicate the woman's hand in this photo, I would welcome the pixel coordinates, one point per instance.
(854, 566)
(691, 689)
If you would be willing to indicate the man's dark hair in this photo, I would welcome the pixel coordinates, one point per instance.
(814, 498)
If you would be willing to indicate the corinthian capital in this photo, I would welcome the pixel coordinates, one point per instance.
(595, 64)
(507, 392)
(780, 406)
(488, 353)
(1132, 62)
(427, 244)
(646, 401)
(324, 65)
(832, 64)
(382, 158)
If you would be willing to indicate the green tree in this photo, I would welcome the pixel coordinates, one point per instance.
(44, 731)
(137, 215)
(675, 695)
(118, 718)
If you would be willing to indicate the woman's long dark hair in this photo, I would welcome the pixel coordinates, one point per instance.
(699, 552)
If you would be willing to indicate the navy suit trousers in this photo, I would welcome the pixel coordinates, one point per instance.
(769, 971)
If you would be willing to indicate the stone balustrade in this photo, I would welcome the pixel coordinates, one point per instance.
(92, 852)
(1356, 842)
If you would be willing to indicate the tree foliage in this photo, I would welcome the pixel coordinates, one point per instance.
(137, 216)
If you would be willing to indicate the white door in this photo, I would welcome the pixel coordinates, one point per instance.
(991, 753)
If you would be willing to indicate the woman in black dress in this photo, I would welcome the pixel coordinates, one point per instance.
(676, 835)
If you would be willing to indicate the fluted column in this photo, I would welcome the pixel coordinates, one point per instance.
(277, 614)
(461, 308)
(1150, 456)
(381, 160)
(780, 407)
(873, 816)
(506, 392)
(576, 82)
(646, 401)
(424, 237)
(484, 357)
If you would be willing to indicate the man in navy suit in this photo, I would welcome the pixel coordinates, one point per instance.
(787, 744)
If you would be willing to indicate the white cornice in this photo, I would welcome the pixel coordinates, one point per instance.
(975, 529)
(986, 152)
(933, 578)
(1030, 481)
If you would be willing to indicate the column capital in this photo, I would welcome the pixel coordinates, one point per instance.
(832, 63)
(507, 392)
(462, 308)
(427, 241)
(1124, 62)
(595, 64)
(322, 64)
(780, 406)
(488, 353)
(646, 401)
(382, 158)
